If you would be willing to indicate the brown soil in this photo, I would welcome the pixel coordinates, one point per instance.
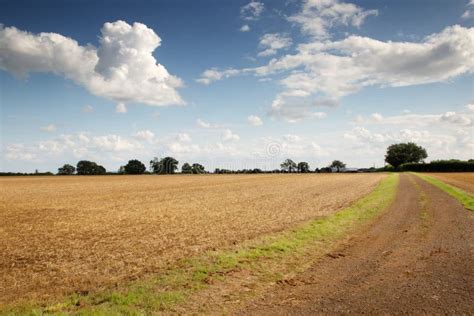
(462, 180)
(77, 234)
(416, 258)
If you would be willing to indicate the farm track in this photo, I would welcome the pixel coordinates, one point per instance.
(416, 258)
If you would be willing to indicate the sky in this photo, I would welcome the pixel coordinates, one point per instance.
(234, 84)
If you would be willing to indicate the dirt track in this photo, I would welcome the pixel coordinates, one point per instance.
(416, 258)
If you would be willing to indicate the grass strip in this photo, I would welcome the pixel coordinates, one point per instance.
(465, 198)
(286, 252)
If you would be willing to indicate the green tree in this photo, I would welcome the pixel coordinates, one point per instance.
(338, 165)
(134, 166)
(167, 165)
(85, 167)
(303, 167)
(198, 168)
(398, 154)
(67, 169)
(288, 165)
(186, 168)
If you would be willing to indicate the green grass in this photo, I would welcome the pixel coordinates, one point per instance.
(465, 198)
(268, 259)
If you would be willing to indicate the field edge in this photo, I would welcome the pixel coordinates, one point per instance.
(466, 199)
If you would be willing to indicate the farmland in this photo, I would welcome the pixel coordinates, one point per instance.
(67, 234)
(462, 180)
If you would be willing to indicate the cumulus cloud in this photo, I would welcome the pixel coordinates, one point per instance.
(211, 75)
(252, 10)
(294, 106)
(317, 17)
(146, 135)
(115, 143)
(121, 108)
(455, 118)
(183, 137)
(422, 120)
(330, 70)
(49, 128)
(203, 124)
(272, 42)
(228, 135)
(439, 144)
(470, 107)
(121, 69)
(254, 120)
(245, 28)
(19, 152)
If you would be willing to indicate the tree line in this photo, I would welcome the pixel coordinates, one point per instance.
(169, 165)
(399, 157)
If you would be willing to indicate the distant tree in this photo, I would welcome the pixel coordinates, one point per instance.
(67, 169)
(303, 167)
(186, 168)
(85, 167)
(198, 168)
(167, 165)
(288, 165)
(134, 166)
(398, 154)
(338, 165)
(325, 170)
(121, 170)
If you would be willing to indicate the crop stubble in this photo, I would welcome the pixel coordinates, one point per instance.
(462, 180)
(66, 234)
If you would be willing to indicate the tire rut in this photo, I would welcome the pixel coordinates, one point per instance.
(415, 258)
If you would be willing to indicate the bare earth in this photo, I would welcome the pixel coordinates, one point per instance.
(462, 180)
(65, 234)
(417, 258)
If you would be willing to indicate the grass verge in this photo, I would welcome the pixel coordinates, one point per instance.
(267, 259)
(465, 198)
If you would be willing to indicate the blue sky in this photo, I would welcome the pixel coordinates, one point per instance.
(233, 84)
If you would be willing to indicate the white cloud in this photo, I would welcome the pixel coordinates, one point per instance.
(228, 135)
(421, 120)
(439, 143)
(87, 108)
(470, 107)
(271, 43)
(183, 137)
(254, 120)
(203, 124)
(318, 16)
(121, 108)
(115, 143)
(122, 68)
(377, 117)
(469, 13)
(455, 118)
(245, 28)
(330, 70)
(49, 128)
(294, 106)
(146, 135)
(19, 152)
(252, 10)
(211, 75)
